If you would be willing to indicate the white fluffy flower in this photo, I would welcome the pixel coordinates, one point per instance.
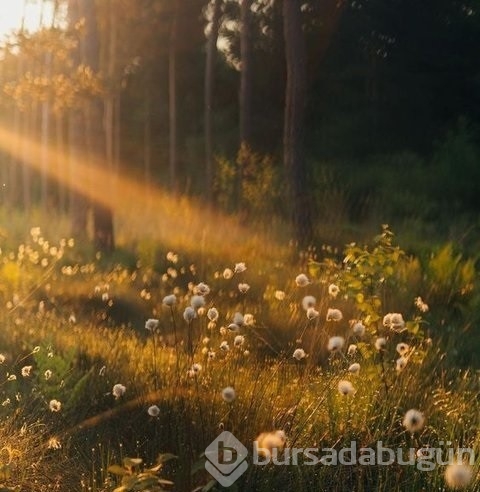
(55, 406)
(118, 390)
(394, 321)
(401, 363)
(334, 314)
(26, 371)
(151, 324)
(335, 344)
(266, 442)
(189, 314)
(312, 313)
(228, 394)
(238, 319)
(280, 295)
(413, 420)
(153, 411)
(248, 319)
(358, 329)
(239, 341)
(302, 280)
(201, 289)
(308, 302)
(243, 287)
(380, 343)
(170, 300)
(197, 302)
(212, 314)
(403, 348)
(458, 475)
(354, 368)
(240, 267)
(299, 354)
(345, 387)
(224, 346)
(352, 349)
(333, 290)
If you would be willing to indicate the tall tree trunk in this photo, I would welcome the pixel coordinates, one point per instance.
(209, 88)
(45, 136)
(246, 72)
(293, 135)
(172, 98)
(102, 215)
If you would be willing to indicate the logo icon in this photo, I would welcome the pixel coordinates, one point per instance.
(226, 457)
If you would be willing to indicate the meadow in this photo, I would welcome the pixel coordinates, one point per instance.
(117, 372)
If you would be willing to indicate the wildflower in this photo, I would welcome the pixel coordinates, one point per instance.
(54, 406)
(401, 363)
(202, 289)
(352, 349)
(458, 475)
(2, 358)
(394, 321)
(118, 390)
(233, 327)
(227, 273)
(334, 314)
(280, 295)
(312, 313)
(54, 443)
(335, 344)
(266, 442)
(47, 374)
(354, 368)
(302, 280)
(380, 343)
(248, 319)
(239, 341)
(228, 394)
(172, 257)
(197, 302)
(243, 287)
(358, 329)
(308, 302)
(403, 348)
(204, 350)
(223, 331)
(211, 355)
(197, 368)
(206, 340)
(413, 420)
(299, 354)
(238, 319)
(224, 346)
(105, 297)
(170, 300)
(246, 353)
(151, 324)
(189, 314)
(420, 305)
(333, 290)
(346, 387)
(240, 267)
(212, 314)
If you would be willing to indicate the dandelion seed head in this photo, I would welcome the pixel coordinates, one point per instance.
(299, 354)
(312, 313)
(308, 302)
(352, 349)
(189, 314)
(227, 273)
(2, 358)
(202, 289)
(380, 343)
(248, 319)
(333, 290)
(228, 394)
(212, 314)
(239, 341)
(240, 267)
(345, 387)
(358, 329)
(118, 390)
(197, 368)
(151, 324)
(335, 343)
(302, 280)
(334, 314)
(413, 420)
(224, 346)
(354, 368)
(197, 302)
(170, 300)
(238, 319)
(403, 348)
(458, 475)
(55, 406)
(401, 363)
(280, 295)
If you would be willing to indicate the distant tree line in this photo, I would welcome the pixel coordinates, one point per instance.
(220, 97)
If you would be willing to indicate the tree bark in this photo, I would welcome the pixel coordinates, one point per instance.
(246, 72)
(209, 88)
(172, 99)
(293, 135)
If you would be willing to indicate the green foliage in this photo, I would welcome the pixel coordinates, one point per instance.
(134, 478)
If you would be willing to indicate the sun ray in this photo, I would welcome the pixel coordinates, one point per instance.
(178, 222)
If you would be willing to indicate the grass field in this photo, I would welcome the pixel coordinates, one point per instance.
(116, 373)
